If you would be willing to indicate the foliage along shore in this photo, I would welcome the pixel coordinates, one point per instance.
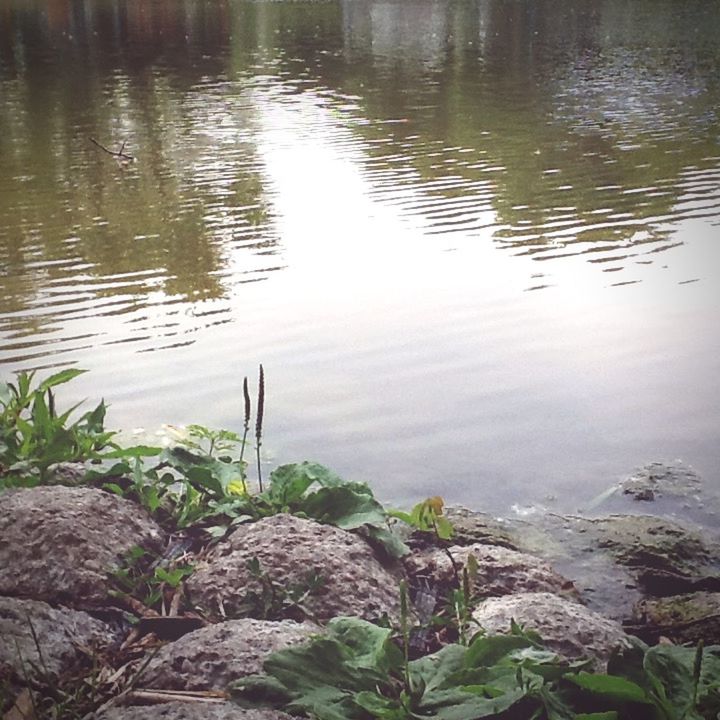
(406, 663)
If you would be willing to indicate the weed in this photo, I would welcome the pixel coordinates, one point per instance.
(145, 578)
(33, 436)
(427, 517)
(275, 601)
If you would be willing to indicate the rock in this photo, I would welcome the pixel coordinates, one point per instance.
(191, 711)
(213, 656)
(470, 528)
(59, 632)
(681, 618)
(66, 473)
(500, 571)
(291, 551)
(59, 543)
(644, 541)
(672, 490)
(617, 560)
(566, 627)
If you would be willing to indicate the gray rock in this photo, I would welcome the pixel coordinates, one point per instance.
(566, 627)
(617, 560)
(672, 490)
(190, 711)
(290, 550)
(650, 542)
(213, 656)
(471, 527)
(66, 473)
(59, 543)
(681, 618)
(500, 571)
(58, 632)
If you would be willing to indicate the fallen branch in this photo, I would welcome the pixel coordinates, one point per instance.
(152, 697)
(119, 154)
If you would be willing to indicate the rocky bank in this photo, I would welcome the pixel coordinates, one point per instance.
(584, 582)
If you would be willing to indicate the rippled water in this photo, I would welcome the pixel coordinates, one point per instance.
(474, 243)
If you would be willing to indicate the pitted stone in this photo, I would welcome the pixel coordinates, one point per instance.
(213, 656)
(291, 550)
(566, 627)
(500, 571)
(59, 544)
(59, 632)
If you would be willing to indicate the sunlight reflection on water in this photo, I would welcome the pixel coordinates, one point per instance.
(476, 257)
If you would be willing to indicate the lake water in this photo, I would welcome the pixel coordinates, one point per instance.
(475, 243)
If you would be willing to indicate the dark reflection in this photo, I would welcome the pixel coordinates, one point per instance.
(563, 127)
(583, 114)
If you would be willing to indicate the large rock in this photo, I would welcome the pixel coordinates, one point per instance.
(471, 527)
(566, 627)
(58, 632)
(213, 656)
(60, 543)
(500, 571)
(672, 490)
(681, 618)
(190, 711)
(616, 561)
(644, 541)
(291, 551)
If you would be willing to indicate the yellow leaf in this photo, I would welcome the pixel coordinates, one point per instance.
(436, 503)
(236, 487)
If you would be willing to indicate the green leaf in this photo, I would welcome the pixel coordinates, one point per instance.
(610, 687)
(387, 540)
(611, 715)
(489, 650)
(134, 451)
(348, 506)
(6, 394)
(114, 488)
(59, 378)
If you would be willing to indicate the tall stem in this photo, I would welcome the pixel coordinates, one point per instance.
(259, 422)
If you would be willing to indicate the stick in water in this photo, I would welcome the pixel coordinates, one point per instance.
(120, 154)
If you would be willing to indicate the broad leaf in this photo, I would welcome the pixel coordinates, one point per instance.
(610, 687)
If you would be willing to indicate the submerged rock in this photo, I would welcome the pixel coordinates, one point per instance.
(59, 543)
(566, 627)
(500, 571)
(680, 618)
(644, 541)
(213, 656)
(59, 633)
(346, 577)
(616, 561)
(673, 490)
(191, 711)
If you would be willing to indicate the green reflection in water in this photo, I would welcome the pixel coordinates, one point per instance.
(561, 127)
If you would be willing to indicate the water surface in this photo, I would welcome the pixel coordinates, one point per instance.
(474, 243)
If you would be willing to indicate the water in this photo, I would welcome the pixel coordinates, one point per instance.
(474, 244)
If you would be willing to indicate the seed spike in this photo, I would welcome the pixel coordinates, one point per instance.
(259, 422)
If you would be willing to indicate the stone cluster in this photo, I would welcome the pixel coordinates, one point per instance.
(581, 582)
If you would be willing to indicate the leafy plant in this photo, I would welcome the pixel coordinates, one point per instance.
(427, 516)
(34, 436)
(143, 577)
(355, 671)
(275, 601)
